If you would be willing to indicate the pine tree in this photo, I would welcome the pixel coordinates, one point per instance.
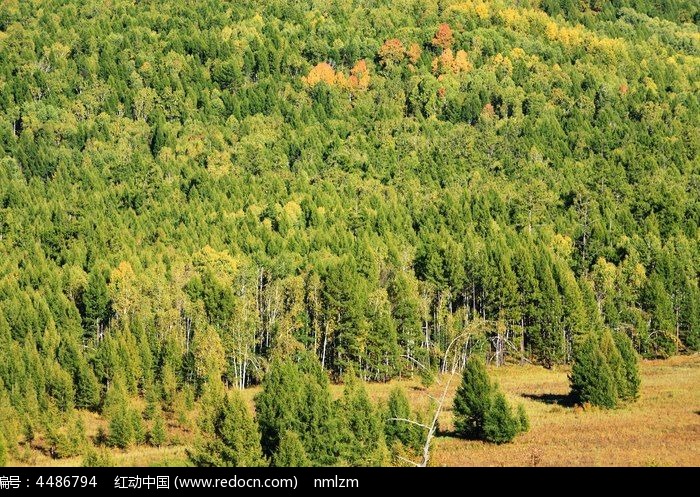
(296, 397)
(3, 451)
(290, 453)
(95, 304)
(121, 429)
(69, 441)
(523, 419)
(591, 379)
(87, 389)
(137, 426)
(235, 441)
(158, 435)
(60, 386)
(399, 431)
(629, 389)
(472, 400)
(500, 425)
(97, 459)
(482, 411)
(614, 361)
(363, 430)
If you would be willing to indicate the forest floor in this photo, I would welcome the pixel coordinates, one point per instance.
(661, 429)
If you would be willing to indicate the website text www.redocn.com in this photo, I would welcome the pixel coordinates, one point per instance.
(235, 482)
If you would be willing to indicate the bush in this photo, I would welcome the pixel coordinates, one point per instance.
(97, 459)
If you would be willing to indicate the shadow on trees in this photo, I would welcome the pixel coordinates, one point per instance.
(564, 400)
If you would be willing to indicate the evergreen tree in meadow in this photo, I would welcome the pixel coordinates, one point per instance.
(473, 399)
(235, 441)
(158, 436)
(137, 426)
(296, 397)
(481, 410)
(3, 451)
(614, 360)
(290, 452)
(362, 427)
(605, 370)
(121, 428)
(592, 380)
(396, 430)
(87, 388)
(500, 424)
(629, 388)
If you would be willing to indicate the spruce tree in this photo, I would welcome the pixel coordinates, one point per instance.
(296, 397)
(473, 399)
(87, 389)
(121, 429)
(363, 430)
(158, 434)
(481, 410)
(523, 418)
(500, 425)
(290, 453)
(235, 441)
(137, 426)
(629, 389)
(591, 379)
(614, 360)
(395, 430)
(3, 451)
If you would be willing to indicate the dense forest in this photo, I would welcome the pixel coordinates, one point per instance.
(189, 188)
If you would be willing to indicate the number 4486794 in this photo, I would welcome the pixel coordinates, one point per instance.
(66, 481)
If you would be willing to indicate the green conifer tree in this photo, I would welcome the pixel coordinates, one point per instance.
(629, 389)
(121, 429)
(473, 399)
(137, 426)
(614, 360)
(158, 435)
(482, 411)
(296, 397)
(523, 418)
(363, 430)
(3, 451)
(87, 389)
(399, 431)
(591, 379)
(97, 459)
(290, 453)
(235, 441)
(500, 425)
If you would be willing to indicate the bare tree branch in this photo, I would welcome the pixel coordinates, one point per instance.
(410, 421)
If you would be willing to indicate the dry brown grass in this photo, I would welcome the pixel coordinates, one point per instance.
(661, 429)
